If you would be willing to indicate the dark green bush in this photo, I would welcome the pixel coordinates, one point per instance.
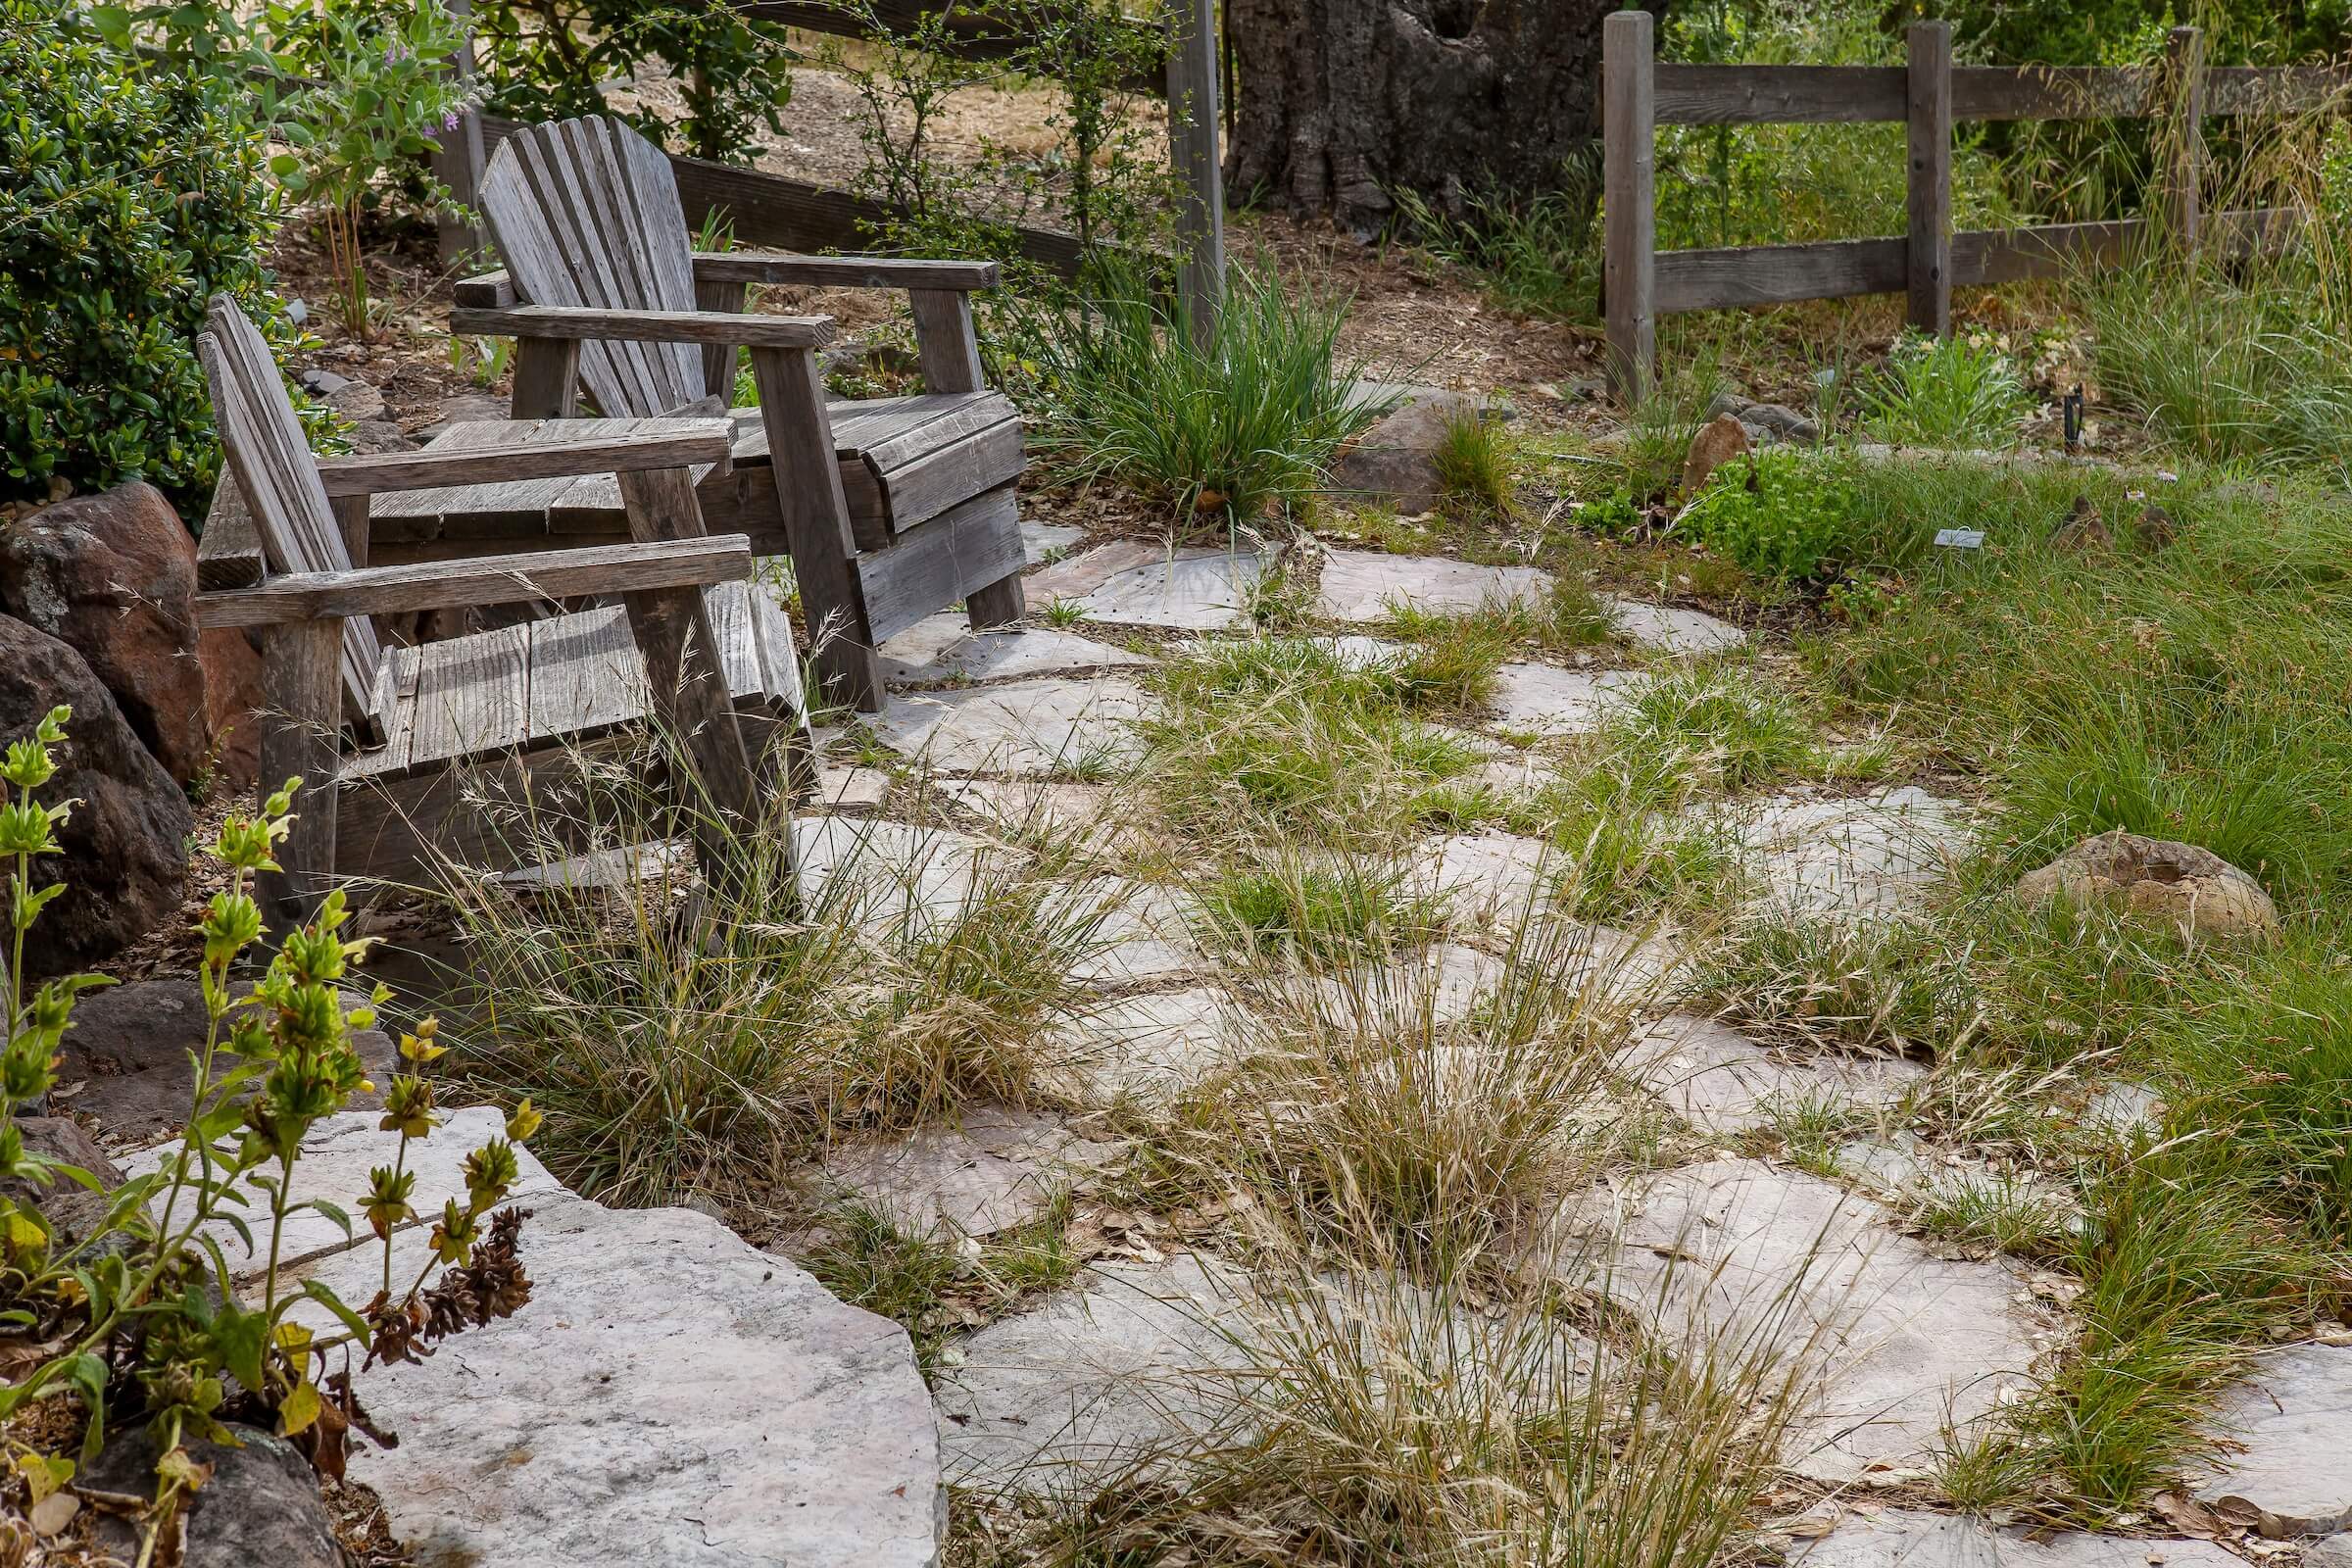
(134, 193)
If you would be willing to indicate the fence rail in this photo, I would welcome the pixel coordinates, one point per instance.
(1930, 95)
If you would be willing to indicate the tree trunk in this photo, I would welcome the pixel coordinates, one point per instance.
(1342, 102)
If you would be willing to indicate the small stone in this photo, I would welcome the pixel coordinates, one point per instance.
(1361, 585)
(261, 1506)
(356, 402)
(1915, 1540)
(113, 577)
(1718, 442)
(2290, 1413)
(1021, 727)
(990, 1170)
(1192, 590)
(1395, 459)
(1673, 631)
(2180, 882)
(944, 648)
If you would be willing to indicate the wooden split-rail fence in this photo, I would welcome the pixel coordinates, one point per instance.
(1931, 95)
(771, 210)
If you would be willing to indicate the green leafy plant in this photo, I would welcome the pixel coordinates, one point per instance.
(549, 59)
(1780, 514)
(1961, 391)
(137, 1313)
(135, 192)
(379, 86)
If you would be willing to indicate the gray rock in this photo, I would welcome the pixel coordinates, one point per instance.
(1900, 1538)
(944, 648)
(1360, 585)
(1394, 459)
(1551, 701)
(2180, 882)
(124, 860)
(1146, 1049)
(1903, 1341)
(2292, 1412)
(2333, 1552)
(1774, 421)
(72, 1211)
(890, 876)
(1021, 727)
(669, 1395)
(260, 1504)
(1141, 933)
(1191, 590)
(1672, 630)
(1871, 857)
(991, 1170)
(1487, 879)
(1721, 1082)
(1043, 541)
(126, 1061)
(1104, 1376)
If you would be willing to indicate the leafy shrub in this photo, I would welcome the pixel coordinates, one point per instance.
(1247, 422)
(136, 1313)
(135, 193)
(1950, 392)
(1781, 514)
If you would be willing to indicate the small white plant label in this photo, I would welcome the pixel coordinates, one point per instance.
(1959, 538)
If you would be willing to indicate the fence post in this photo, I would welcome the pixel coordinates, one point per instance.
(1194, 156)
(1629, 198)
(1928, 197)
(2185, 55)
(456, 160)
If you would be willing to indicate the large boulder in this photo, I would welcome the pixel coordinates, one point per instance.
(260, 1503)
(2190, 887)
(1395, 459)
(125, 848)
(232, 702)
(114, 575)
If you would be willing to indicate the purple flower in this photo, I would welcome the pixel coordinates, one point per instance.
(449, 122)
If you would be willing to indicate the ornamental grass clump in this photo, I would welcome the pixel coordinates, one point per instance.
(136, 1313)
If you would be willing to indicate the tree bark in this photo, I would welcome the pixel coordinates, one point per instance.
(1342, 102)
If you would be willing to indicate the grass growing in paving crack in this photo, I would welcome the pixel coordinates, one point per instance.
(681, 1038)
(930, 1286)
(1318, 911)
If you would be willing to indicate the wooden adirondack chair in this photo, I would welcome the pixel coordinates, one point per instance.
(508, 704)
(892, 509)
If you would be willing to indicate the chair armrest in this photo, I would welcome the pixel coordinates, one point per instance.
(646, 327)
(693, 443)
(841, 272)
(486, 291)
(484, 580)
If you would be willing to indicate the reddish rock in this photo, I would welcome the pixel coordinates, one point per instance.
(124, 857)
(113, 576)
(232, 702)
(1718, 442)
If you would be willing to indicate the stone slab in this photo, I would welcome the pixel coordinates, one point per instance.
(1144, 934)
(990, 1169)
(1191, 590)
(335, 1162)
(1146, 1049)
(944, 648)
(1048, 541)
(1360, 585)
(887, 875)
(1024, 727)
(1669, 629)
(1551, 701)
(1090, 816)
(1487, 879)
(1867, 857)
(1903, 1341)
(1899, 1537)
(669, 1395)
(1721, 1082)
(2293, 1411)
(1098, 1377)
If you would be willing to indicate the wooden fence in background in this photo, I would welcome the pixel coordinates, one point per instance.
(1930, 94)
(772, 210)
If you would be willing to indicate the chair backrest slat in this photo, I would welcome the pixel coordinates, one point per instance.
(585, 213)
(278, 477)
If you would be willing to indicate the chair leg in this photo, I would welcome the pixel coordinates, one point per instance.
(999, 603)
(816, 524)
(302, 691)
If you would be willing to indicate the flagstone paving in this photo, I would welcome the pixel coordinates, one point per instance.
(1868, 856)
(1361, 586)
(1020, 727)
(2292, 1415)
(1146, 1048)
(1899, 1537)
(1191, 590)
(944, 648)
(1721, 1082)
(1546, 700)
(985, 1171)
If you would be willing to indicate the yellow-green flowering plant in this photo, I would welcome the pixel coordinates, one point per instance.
(138, 1315)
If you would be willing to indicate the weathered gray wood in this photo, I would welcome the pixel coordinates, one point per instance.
(351, 521)
(842, 271)
(928, 484)
(553, 575)
(945, 348)
(2182, 142)
(472, 694)
(2015, 254)
(817, 522)
(683, 442)
(685, 677)
(1927, 197)
(546, 378)
(720, 297)
(229, 553)
(606, 324)
(1629, 180)
(958, 554)
(1194, 159)
(301, 704)
(1799, 95)
(1778, 275)
(457, 157)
